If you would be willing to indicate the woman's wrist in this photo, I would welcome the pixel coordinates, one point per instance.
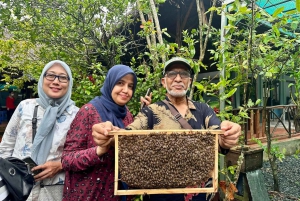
(100, 151)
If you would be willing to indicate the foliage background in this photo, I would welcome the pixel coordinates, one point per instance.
(93, 35)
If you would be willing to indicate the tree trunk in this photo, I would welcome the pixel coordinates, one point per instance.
(297, 120)
(157, 27)
(202, 43)
(178, 29)
(272, 158)
(150, 41)
(274, 167)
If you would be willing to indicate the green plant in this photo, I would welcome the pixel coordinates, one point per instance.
(293, 70)
(250, 54)
(275, 149)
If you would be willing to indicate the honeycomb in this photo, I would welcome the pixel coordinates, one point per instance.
(158, 160)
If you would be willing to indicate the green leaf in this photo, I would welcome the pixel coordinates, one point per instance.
(231, 92)
(291, 84)
(258, 101)
(262, 48)
(276, 30)
(237, 3)
(298, 5)
(230, 18)
(294, 25)
(278, 11)
(199, 86)
(244, 10)
(268, 74)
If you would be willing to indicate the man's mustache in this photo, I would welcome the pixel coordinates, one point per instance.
(173, 85)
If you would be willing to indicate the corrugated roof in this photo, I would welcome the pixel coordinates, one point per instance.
(288, 6)
(271, 5)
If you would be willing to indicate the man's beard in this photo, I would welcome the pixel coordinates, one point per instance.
(176, 94)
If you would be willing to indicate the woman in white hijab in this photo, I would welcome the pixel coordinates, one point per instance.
(55, 113)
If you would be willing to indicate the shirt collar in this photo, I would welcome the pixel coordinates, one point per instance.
(191, 105)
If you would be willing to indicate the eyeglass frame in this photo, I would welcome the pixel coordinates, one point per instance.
(56, 76)
(178, 73)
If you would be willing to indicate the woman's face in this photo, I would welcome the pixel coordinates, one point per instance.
(55, 89)
(123, 90)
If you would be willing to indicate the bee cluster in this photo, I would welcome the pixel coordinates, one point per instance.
(159, 160)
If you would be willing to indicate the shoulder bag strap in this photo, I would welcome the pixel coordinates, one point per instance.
(34, 121)
(178, 117)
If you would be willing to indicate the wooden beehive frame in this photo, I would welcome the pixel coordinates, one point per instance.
(212, 189)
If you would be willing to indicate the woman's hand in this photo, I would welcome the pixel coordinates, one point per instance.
(101, 137)
(49, 170)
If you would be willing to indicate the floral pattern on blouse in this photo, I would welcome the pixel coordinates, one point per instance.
(88, 177)
(17, 138)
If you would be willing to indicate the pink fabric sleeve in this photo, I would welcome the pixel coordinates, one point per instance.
(80, 150)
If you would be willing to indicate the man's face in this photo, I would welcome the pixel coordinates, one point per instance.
(177, 80)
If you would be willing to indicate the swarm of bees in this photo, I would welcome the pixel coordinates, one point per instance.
(158, 160)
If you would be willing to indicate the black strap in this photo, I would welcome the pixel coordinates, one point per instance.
(34, 121)
(186, 125)
(178, 117)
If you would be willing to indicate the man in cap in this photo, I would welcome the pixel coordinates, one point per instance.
(176, 80)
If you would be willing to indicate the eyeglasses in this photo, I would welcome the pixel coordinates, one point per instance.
(182, 74)
(52, 77)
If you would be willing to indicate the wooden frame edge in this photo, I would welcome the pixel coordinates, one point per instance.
(164, 191)
(212, 189)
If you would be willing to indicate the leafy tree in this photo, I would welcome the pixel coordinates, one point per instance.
(91, 36)
(18, 63)
(82, 33)
(250, 53)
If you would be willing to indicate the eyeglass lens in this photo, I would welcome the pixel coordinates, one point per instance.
(52, 77)
(173, 74)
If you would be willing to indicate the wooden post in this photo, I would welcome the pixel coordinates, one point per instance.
(257, 124)
(251, 124)
(263, 124)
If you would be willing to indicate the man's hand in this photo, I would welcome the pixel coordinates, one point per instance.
(231, 134)
(146, 100)
(101, 137)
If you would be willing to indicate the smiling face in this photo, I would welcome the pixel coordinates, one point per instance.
(123, 90)
(177, 80)
(55, 89)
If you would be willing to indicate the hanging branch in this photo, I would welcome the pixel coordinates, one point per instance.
(157, 26)
(151, 40)
(203, 45)
(143, 22)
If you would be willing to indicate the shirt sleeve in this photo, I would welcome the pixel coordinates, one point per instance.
(211, 119)
(10, 134)
(140, 121)
(80, 150)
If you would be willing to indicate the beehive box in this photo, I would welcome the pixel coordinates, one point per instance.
(166, 161)
(253, 158)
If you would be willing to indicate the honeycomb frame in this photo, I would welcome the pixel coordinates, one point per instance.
(135, 191)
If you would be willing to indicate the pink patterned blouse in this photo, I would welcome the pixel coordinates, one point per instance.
(88, 177)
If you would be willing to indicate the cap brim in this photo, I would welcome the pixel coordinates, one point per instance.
(189, 68)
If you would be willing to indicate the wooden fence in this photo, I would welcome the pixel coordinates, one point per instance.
(279, 122)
